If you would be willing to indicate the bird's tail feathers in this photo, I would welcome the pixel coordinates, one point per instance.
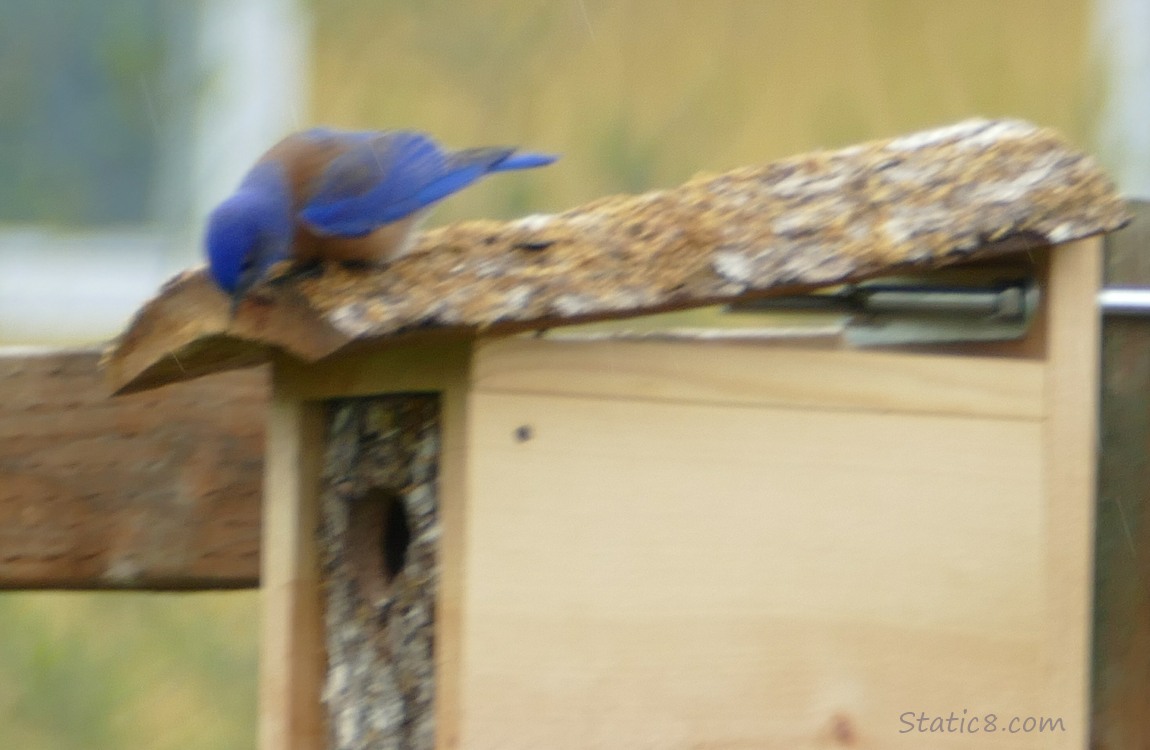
(527, 160)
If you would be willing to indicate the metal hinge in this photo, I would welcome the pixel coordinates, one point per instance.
(934, 309)
(992, 304)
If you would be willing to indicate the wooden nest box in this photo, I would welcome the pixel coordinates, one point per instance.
(483, 530)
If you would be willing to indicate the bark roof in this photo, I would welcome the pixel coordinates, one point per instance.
(975, 189)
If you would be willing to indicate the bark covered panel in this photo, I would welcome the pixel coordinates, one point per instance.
(379, 532)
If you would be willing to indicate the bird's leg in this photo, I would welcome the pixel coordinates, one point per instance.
(357, 264)
(308, 269)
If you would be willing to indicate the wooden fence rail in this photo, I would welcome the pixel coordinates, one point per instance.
(158, 490)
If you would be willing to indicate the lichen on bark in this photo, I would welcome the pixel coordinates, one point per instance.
(378, 553)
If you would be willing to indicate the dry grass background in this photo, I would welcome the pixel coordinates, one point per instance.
(644, 93)
(635, 94)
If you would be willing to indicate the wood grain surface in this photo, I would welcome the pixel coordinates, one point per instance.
(159, 490)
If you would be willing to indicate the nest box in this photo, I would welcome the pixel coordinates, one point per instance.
(486, 529)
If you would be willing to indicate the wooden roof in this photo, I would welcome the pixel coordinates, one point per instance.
(975, 189)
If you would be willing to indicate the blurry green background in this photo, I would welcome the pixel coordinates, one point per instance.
(635, 94)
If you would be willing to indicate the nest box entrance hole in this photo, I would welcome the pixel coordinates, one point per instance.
(379, 532)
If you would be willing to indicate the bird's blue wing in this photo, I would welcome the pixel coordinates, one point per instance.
(373, 182)
(393, 175)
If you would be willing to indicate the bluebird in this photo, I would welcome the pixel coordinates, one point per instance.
(354, 197)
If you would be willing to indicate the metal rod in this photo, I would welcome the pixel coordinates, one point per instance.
(1125, 301)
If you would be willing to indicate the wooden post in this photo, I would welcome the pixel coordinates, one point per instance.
(1121, 644)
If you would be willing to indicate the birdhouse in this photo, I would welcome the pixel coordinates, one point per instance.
(487, 526)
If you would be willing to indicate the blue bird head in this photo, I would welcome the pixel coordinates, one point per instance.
(248, 233)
